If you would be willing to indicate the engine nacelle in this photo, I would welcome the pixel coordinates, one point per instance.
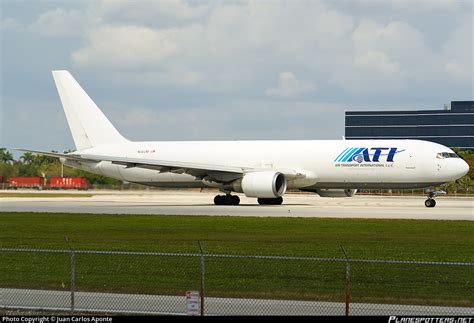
(336, 192)
(266, 184)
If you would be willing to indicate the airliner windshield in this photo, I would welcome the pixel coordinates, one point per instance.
(446, 155)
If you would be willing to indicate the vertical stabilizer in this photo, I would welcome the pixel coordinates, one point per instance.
(89, 126)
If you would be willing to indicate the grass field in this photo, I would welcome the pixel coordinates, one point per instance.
(313, 237)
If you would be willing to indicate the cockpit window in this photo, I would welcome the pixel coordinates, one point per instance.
(446, 155)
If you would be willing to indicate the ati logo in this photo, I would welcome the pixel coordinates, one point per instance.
(366, 155)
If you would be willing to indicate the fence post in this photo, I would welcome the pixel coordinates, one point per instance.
(73, 274)
(348, 282)
(202, 278)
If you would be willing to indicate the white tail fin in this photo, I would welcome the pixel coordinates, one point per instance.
(89, 126)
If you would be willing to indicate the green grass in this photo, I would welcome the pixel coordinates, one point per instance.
(362, 238)
(315, 237)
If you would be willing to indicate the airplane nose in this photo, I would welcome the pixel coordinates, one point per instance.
(454, 169)
(463, 169)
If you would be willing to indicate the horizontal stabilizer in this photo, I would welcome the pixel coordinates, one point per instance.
(53, 154)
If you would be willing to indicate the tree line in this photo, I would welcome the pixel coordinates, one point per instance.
(35, 165)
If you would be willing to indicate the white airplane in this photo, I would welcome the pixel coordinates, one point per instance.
(262, 169)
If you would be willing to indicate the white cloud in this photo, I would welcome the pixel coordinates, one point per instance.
(290, 86)
(458, 51)
(387, 59)
(399, 40)
(454, 69)
(370, 74)
(138, 116)
(375, 63)
(9, 23)
(236, 47)
(60, 22)
(153, 13)
(125, 47)
(410, 5)
(423, 5)
(219, 45)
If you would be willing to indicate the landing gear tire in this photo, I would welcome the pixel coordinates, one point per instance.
(430, 202)
(235, 200)
(226, 200)
(218, 200)
(270, 201)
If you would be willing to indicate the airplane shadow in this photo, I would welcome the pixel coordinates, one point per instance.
(213, 205)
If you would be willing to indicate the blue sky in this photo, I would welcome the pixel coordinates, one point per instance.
(218, 70)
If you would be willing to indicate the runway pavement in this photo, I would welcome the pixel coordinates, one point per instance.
(176, 305)
(295, 205)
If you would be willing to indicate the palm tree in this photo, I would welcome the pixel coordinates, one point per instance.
(27, 158)
(6, 157)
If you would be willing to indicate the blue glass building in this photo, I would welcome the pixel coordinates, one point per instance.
(453, 128)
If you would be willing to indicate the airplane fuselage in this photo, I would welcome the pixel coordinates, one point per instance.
(341, 164)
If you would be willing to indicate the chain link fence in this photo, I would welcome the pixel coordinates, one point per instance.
(84, 281)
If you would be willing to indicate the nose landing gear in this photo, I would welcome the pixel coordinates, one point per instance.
(430, 202)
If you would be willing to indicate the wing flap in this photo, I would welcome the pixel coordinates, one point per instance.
(166, 165)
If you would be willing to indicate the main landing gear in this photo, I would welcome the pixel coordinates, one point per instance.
(229, 199)
(270, 201)
(226, 200)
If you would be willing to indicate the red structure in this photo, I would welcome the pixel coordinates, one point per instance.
(38, 182)
(26, 182)
(68, 183)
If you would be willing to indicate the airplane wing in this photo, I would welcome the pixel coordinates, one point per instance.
(180, 167)
(163, 166)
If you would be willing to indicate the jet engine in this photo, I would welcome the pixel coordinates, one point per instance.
(336, 192)
(267, 184)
